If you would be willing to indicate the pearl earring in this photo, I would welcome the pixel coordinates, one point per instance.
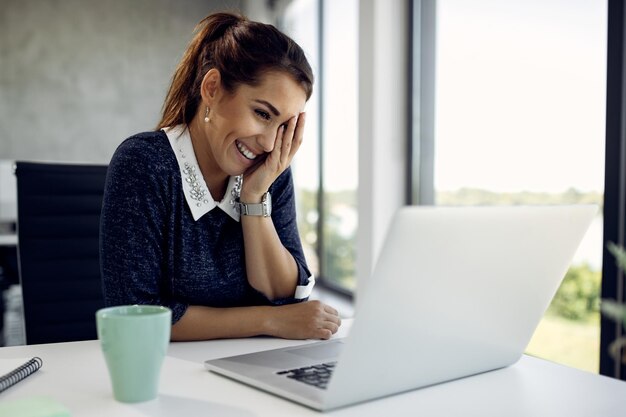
(206, 115)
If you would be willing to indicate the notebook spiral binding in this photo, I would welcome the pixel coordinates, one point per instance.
(20, 373)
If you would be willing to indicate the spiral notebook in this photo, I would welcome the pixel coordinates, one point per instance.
(13, 371)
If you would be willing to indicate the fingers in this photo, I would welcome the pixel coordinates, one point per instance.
(328, 328)
(325, 334)
(286, 144)
(307, 320)
(289, 139)
(297, 135)
(327, 320)
(330, 310)
(278, 145)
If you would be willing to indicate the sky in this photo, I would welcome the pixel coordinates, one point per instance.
(520, 94)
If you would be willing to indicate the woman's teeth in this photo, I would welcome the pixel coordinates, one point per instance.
(245, 151)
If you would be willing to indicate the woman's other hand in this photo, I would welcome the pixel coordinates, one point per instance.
(307, 320)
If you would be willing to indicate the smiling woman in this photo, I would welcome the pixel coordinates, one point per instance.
(199, 215)
(242, 130)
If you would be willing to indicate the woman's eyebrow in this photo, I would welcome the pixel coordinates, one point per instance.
(269, 105)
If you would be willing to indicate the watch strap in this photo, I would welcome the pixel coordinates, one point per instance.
(251, 209)
(264, 208)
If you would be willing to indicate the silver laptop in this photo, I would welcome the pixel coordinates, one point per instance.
(456, 291)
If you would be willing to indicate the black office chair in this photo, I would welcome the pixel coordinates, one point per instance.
(58, 223)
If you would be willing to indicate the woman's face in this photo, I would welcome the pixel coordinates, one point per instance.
(243, 125)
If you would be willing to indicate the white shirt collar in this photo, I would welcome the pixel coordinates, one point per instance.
(196, 192)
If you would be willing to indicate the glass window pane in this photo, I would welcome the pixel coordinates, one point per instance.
(520, 119)
(336, 86)
(301, 23)
(339, 136)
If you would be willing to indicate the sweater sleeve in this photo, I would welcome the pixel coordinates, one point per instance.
(284, 218)
(132, 227)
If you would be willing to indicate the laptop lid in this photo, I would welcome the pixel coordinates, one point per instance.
(456, 291)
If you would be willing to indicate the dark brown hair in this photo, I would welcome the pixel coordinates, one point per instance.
(242, 51)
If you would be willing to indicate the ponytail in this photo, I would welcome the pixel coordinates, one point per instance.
(241, 50)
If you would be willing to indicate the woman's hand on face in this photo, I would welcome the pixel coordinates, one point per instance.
(259, 178)
(307, 320)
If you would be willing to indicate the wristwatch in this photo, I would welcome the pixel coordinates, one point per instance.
(264, 208)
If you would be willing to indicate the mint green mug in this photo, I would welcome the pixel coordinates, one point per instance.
(134, 340)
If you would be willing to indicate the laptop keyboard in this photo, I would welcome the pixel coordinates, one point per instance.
(316, 375)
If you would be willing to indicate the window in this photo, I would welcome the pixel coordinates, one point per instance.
(326, 166)
(615, 190)
(520, 119)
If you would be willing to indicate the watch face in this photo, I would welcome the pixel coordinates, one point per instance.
(267, 204)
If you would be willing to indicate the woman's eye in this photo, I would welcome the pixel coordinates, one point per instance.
(263, 114)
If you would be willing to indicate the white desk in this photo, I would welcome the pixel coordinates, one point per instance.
(75, 375)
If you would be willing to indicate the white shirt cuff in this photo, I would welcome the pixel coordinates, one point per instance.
(304, 291)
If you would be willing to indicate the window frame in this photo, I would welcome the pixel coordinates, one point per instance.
(613, 284)
(421, 103)
(379, 23)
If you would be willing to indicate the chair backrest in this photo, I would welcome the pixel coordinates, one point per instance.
(58, 223)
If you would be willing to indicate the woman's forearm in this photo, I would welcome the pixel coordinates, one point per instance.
(202, 323)
(270, 268)
(308, 320)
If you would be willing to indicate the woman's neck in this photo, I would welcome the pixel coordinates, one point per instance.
(215, 178)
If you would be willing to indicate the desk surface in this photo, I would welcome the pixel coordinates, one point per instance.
(75, 374)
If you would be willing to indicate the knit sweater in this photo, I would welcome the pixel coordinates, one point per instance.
(152, 251)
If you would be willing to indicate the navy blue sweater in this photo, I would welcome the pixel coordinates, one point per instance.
(152, 251)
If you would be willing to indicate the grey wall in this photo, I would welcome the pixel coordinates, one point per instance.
(79, 76)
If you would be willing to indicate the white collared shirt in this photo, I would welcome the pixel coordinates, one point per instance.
(195, 189)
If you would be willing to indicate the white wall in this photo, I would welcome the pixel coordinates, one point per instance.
(79, 76)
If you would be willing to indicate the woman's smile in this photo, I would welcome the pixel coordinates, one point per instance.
(245, 151)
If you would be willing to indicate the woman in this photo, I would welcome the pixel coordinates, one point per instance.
(199, 215)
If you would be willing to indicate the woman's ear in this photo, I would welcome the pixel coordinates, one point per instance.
(210, 86)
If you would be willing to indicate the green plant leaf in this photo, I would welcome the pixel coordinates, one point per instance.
(614, 310)
(616, 349)
(619, 253)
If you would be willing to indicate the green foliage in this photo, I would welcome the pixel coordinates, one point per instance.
(474, 196)
(610, 308)
(619, 253)
(615, 310)
(578, 297)
(339, 255)
(340, 259)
